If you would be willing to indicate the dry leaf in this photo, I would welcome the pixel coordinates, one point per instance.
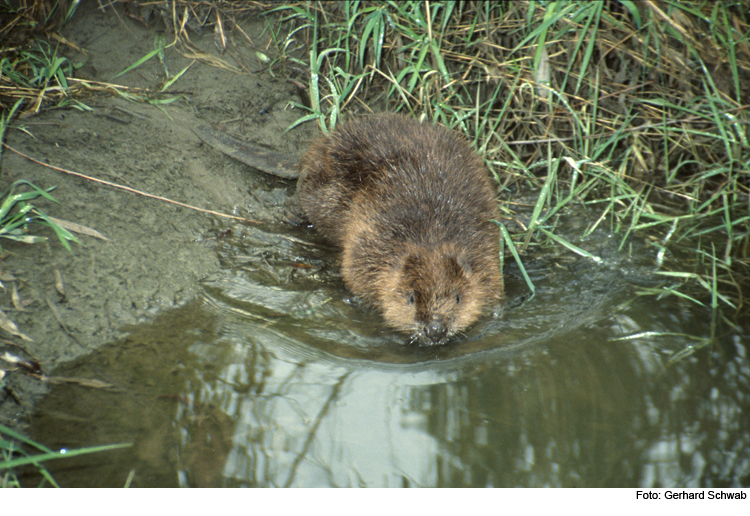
(220, 40)
(77, 228)
(9, 326)
(16, 299)
(543, 74)
(11, 359)
(59, 283)
(85, 382)
(31, 366)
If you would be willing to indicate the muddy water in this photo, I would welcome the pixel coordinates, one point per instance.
(274, 377)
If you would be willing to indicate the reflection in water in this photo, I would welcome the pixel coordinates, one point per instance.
(274, 379)
(211, 399)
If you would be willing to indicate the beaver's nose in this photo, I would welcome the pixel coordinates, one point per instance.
(435, 331)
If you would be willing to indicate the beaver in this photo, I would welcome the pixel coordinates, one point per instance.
(410, 205)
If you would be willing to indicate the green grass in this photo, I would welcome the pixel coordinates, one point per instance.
(14, 455)
(38, 76)
(17, 215)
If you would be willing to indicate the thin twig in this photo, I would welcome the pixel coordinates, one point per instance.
(128, 189)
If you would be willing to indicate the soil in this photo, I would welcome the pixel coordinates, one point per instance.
(156, 252)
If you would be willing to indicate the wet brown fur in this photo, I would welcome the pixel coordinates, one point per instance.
(410, 204)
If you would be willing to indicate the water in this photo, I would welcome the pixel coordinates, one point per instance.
(274, 377)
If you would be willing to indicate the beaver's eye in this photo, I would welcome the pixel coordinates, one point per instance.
(411, 298)
(458, 299)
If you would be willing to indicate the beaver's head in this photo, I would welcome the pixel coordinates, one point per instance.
(433, 294)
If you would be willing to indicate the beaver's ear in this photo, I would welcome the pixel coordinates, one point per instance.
(459, 265)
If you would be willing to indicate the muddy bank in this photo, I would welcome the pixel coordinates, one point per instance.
(157, 252)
